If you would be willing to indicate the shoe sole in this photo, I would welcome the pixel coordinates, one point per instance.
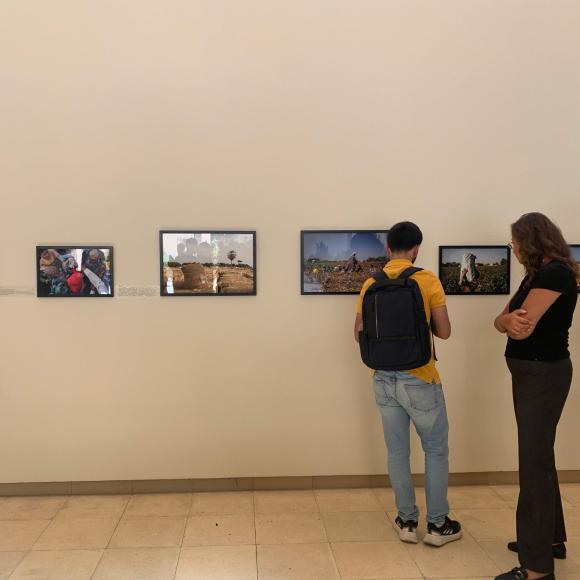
(438, 540)
(405, 536)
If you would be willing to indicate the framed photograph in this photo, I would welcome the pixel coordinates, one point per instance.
(475, 269)
(208, 263)
(575, 248)
(340, 261)
(74, 272)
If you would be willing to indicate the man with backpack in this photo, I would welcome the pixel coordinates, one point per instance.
(398, 312)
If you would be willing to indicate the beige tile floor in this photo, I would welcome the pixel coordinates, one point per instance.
(264, 535)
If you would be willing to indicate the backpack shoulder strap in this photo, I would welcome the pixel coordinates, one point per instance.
(408, 273)
(404, 276)
(380, 276)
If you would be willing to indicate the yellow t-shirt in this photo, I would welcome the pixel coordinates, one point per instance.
(433, 297)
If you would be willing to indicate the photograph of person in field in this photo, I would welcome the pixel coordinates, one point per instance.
(475, 269)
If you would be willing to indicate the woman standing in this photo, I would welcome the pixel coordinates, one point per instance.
(537, 321)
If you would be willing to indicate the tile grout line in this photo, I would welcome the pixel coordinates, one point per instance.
(328, 542)
(109, 542)
(27, 552)
(334, 560)
(50, 521)
(17, 565)
(255, 535)
(180, 548)
(413, 559)
(492, 487)
(64, 504)
(477, 542)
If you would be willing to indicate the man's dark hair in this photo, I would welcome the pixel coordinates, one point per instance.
(404, 236)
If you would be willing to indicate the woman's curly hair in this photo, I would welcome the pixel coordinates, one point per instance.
(539, 239)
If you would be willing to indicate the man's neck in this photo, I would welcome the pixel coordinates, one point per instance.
(402, 256)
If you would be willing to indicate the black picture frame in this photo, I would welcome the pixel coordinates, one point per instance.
(43, 247)
(575, 249)
(507, 249)
(253, 233)
(304, 233)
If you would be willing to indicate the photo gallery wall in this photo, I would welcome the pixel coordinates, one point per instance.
(223, 263)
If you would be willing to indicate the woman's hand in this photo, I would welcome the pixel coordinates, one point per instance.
(515, 324)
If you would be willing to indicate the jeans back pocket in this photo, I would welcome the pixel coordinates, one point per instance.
(385, 393)
(424, 398)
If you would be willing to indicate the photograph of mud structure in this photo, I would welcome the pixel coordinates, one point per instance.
(339, 261)
(475, 269)
(208, 263)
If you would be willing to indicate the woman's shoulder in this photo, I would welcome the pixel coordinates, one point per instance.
(558, 273)
(556, 264)
(558, 268)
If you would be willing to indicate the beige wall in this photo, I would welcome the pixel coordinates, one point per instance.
(118, 118)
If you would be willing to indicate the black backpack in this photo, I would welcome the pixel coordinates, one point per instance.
(396, 335)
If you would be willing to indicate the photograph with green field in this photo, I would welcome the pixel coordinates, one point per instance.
(475, 269)
(340, 261)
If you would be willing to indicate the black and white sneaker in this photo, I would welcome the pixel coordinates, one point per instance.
(407, 530)
(450, 531)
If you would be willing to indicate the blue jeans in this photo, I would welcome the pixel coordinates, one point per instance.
(403, 398)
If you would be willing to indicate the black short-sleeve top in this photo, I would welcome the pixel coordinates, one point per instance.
(549, 341)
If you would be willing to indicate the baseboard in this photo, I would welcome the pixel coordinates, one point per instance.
(252, 483)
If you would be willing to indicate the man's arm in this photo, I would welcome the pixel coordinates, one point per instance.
(440, 323)
(358, 324)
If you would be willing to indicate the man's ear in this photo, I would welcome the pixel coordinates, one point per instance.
(389, 253)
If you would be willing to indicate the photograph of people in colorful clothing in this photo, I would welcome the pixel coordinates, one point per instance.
(74, 271)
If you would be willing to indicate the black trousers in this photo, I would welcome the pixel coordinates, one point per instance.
(540, 389)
